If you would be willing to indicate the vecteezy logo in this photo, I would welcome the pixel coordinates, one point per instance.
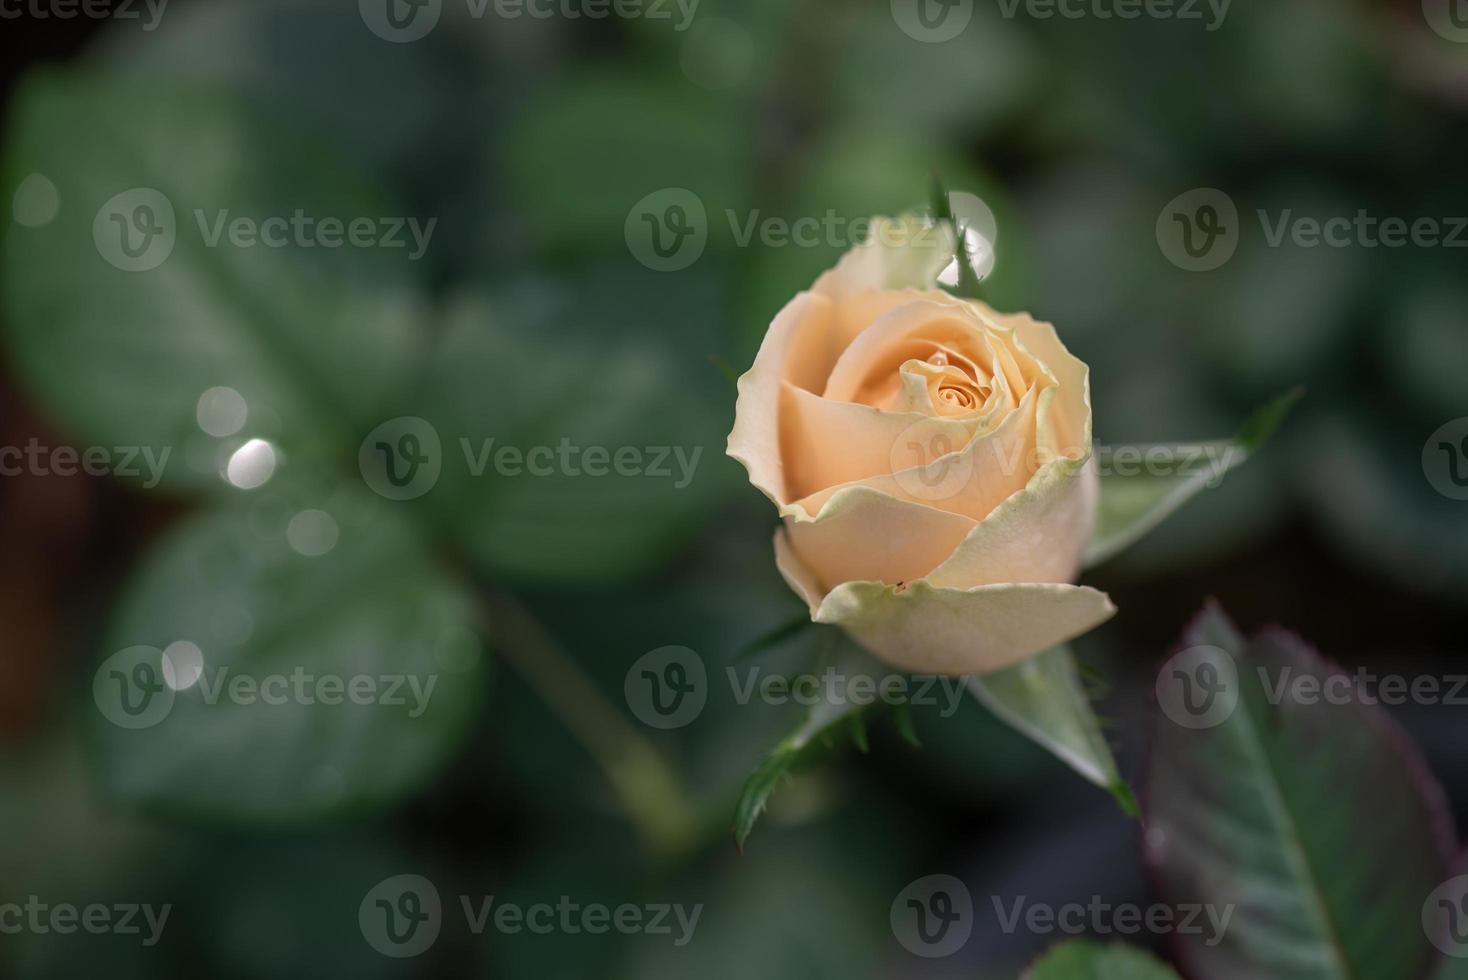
(130, 690)
(1199, 230)
(929, 460)
(667, 230)
(666, 688)
(401, 458)
(1448, 18)
(136, 230)
(400, 21)
(933, 916)
(1199, 687)
(1445, 917)
(932, 21)
(401, 916)
(1445, 459)
(1456, 455)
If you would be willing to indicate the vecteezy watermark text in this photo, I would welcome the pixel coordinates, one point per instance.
(137, 230)
(1098, 917)
(836, 687)
(138, 686)
(89, 9)
(668, 229)
(1199, 230)
(133, 462)
(668, 688)
(935, 915)
(403, 915)
(938, 21)
(1200, 687)
(404, 457)
(302, 230)
(1211, 12)
(402, 21)
(63, 918)
(567, 458)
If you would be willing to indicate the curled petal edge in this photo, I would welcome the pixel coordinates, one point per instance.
(922, 628)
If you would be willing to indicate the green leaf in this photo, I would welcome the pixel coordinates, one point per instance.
(821, 729)
(307, 339)
(1142, 489)
(826, 724)
(1044, 699)
(953, 90)
(551, 513)
(1084, 959)
(1276, 793)
(588, 149)
(244, 600)
(390, 106)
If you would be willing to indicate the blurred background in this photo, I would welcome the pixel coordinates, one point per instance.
(526, 150)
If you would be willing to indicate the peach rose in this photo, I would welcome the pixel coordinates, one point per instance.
(931, 460)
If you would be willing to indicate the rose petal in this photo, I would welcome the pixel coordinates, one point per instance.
(809, 334)
(828, 443)
(792, 347)
(878, 349)
(864, 534)
(930, 630)
(1065, 430)
(906, 253)
(1037, 535)
(971, 482)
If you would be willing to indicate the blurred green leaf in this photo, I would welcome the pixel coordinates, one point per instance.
(404, 110)
(1428, 348)
(1363, 472)
(294, 684)
(958, 88)
(559, 516)
(1267, 799)
(121, 347)
(585, 152)
(1044, 699)
(1136, 497)
(1279, 311)
(1084, 959)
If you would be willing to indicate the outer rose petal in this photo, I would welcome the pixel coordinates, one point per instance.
(906, 253)
(866, 534)
(799, 328)
(809, 334)
(1069, 420)
(803, 343)
(1037, 535)
(931, 630)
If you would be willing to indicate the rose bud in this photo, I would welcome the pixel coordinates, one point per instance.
(930, 458)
